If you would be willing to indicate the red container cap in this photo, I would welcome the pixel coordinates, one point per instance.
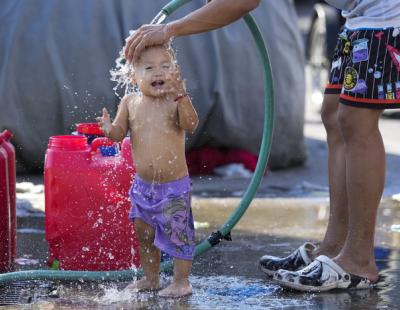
(72, 143)
(6, 135)
(89, 129)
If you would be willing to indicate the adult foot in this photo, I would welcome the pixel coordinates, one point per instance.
(323, 274)
(144, 284)
(178, 288)
(323, 249)
(362, 269)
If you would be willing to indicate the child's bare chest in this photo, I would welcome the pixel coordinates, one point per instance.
(161, 116)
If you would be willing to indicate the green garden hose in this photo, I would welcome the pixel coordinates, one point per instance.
(224, 231)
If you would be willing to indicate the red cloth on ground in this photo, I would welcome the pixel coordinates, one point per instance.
(203, 160)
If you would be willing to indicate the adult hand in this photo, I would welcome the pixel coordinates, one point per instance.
(146, 35)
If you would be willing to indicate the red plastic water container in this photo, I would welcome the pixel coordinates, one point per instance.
(5, 221)
(5, 141)
(87, 204)
(8, 222)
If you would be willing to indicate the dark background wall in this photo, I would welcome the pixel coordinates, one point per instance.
(55, 58)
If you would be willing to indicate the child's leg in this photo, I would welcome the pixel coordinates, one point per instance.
(149, 257)
(180, 285)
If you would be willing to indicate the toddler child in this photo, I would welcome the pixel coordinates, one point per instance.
(157, 117)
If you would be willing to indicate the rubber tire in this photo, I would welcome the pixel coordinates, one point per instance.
(321, 42)
(332, 22)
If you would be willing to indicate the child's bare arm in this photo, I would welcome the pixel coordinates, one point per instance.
(118, 129)
(187, 115)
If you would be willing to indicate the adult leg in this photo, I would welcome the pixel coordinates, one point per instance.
(149, 256)
(180, 285)
(338, 216)
(365, 177)
(336, 232)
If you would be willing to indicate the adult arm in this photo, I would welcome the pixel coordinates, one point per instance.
(213, 15)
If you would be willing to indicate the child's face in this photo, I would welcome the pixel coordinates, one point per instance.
(153, 71)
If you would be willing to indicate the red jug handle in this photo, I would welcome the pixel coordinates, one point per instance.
(103, 141)
(6, 135)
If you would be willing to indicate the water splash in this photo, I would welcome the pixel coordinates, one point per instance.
(123, 72)
(113, 295)
(160, 17)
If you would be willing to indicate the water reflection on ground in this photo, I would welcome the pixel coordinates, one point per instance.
(227, 277)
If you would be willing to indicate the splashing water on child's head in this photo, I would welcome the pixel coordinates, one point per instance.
(123, 73)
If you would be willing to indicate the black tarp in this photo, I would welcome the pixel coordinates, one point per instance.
(55, 58)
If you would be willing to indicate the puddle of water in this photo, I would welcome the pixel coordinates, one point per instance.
(30, 231)
(215, 292)
(212, 292)
(227, 277)
(24, 261)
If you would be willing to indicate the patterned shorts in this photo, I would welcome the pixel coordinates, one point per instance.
(166, 207)
(365, 68)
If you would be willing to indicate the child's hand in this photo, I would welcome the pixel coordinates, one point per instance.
(104, 121)
(177, 85)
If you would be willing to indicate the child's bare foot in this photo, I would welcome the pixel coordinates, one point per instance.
(144, 285)
(177, 288)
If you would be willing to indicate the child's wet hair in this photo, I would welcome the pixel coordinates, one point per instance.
(167, 47)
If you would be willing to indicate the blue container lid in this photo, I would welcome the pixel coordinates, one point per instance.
(108, 150)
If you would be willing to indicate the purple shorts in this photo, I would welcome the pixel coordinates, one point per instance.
(166, 207)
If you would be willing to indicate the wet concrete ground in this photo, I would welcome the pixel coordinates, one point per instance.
(291, 207)
(227, 276)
